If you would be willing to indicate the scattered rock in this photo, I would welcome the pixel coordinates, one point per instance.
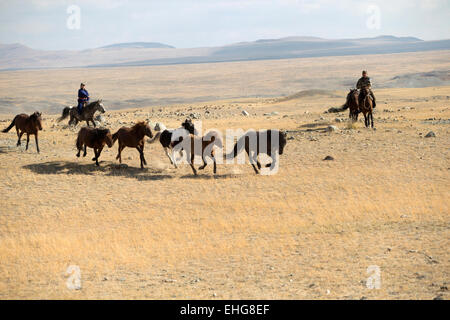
(439, 297)
(327, 158)
(245, 113)
(332, 129)
(430, 134)
(338, 120)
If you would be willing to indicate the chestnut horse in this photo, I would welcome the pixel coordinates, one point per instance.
(93, 138)
(27, 124)
(367, 107)
(134, 138)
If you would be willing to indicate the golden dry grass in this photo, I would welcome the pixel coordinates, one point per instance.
(309, 231)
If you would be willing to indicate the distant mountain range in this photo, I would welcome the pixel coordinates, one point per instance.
(17, 56)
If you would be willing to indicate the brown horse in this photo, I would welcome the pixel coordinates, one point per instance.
(367, 107)
(95, 139)
(353, 104)
(134, 138)
(207, 144)
(27, 124)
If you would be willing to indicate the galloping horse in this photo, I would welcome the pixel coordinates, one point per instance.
(353, 104)
(86, 115)
(165, 137)
(207, 143)
(133, 137)
(27, 124)
(93, 138)
(271, 149)
(367, 107)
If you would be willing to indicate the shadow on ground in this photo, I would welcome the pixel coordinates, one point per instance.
(107, 168)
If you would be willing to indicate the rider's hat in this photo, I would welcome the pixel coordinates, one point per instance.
(82, 84)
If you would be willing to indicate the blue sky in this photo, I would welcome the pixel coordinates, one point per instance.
(195, 23)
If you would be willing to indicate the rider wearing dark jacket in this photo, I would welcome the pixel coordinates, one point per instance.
(364, 82)
(83, 98)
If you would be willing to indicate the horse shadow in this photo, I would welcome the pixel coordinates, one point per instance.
(64, 167)
(108, 168)
(209, 176)
(139, 174)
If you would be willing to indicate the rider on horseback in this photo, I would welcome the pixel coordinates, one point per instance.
(363, 83)
(83, 98)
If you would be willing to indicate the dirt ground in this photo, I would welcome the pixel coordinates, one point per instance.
(311, 231)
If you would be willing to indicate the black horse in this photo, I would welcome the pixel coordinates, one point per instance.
(257, 142)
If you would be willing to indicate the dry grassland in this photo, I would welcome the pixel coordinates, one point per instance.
(310, 231)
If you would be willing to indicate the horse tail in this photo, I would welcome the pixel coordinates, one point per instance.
(65, 114)
(155, 137)
(115, 136)
(237, 149)
(11, 125)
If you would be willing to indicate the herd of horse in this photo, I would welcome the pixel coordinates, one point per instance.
(182, 139)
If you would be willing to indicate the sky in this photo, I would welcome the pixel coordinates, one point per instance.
(82, 24)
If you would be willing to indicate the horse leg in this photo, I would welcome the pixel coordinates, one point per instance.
(93, 122)
(167, 154)
(20, 137)
(37, 143)
(96, 157)
(142, 152)
(371, 118)
(85, 151)
(121, 147)
(253, 159)
(192, 162)
(99, 150)
(173, 159)
(28, 141)
(141, 155)
(214, 159)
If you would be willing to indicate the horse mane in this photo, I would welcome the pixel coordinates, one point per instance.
(101, 133)
(139, 125)
(91, 104)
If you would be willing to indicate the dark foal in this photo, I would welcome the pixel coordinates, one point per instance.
(93, 138)
(134, 138)
(27, 124)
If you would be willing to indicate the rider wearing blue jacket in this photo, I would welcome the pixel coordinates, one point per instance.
(83, 98)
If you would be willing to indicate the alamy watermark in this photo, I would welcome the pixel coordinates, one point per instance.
(73, 21)
(73, 281)
(374, 279)
(373, 21)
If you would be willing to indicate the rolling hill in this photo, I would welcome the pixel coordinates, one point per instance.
(17, 56)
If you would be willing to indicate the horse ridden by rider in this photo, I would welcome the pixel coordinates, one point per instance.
(357, 97)
(84, 111)
(365, 86)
